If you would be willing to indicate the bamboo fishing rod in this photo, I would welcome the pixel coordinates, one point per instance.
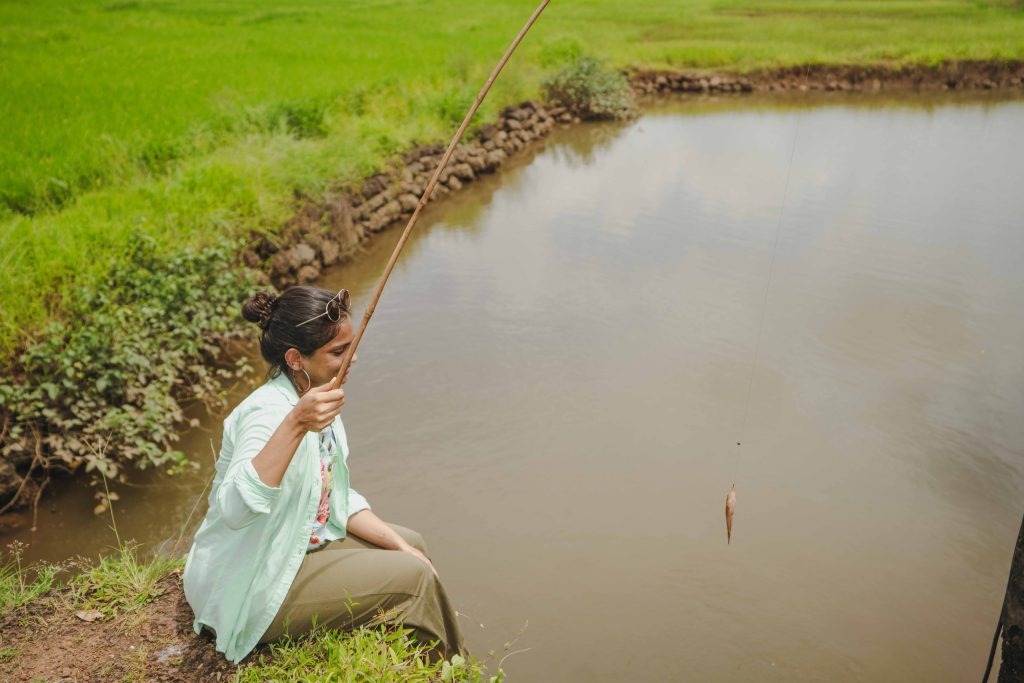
(347, 360)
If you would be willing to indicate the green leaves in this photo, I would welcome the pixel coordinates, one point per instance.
(104, 386)
(591, 90)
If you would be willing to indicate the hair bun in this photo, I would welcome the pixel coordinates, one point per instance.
(259, 307)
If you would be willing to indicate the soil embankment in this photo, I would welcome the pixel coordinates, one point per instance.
(49, 642)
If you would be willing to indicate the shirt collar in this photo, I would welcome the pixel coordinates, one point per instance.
(284, 385)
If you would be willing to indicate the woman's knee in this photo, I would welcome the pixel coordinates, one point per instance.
(411, 537)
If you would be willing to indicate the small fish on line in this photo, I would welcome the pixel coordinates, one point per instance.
(730, 510)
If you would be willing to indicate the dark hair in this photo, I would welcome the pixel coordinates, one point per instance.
(280, 319)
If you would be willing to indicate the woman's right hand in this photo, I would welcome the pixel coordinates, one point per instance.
(319, 406)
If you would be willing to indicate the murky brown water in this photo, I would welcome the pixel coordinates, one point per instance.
(555, 381)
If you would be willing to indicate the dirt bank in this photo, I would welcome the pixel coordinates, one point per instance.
(47, 641)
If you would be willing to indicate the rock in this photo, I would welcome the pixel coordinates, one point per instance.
(391, 211)
(413, 188)
(518, 113)
(373, 185)
(513, 124)
(284, 262)
(308, 273)
(478, 163)
(463, 171)
(565, 117)
(376, 201)
(408, 201)
(330, 252)
(303, 253)
(494, 159)
(170, 652)
(454, 183)
(89, 615)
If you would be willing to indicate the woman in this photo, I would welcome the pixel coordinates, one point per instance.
(286, 541)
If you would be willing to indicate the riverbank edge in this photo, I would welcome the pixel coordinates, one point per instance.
(98, 629)
(332, 228)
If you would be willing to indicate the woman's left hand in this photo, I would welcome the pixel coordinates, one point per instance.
(416, 553)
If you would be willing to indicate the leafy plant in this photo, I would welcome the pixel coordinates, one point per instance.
(591, 90)
(103, 387)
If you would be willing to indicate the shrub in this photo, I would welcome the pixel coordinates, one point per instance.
(104, 386)
(591, 90)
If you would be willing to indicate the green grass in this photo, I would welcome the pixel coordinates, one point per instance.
(202, 119)
(382, 654)
(20, 585)
(123, 582)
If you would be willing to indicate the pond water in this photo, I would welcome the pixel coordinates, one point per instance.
(555, 381)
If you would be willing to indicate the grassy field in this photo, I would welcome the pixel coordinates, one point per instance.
(199, 120)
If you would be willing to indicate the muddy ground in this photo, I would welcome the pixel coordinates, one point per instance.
(46, 641)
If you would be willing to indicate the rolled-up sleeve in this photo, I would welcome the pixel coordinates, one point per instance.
(356, 502)
(243, 497)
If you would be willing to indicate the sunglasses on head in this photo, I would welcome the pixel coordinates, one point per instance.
(333, 309)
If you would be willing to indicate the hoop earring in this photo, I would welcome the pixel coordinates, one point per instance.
(309, 382)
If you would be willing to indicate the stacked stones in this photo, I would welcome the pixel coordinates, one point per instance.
(949, 76)
(653, 82)
(325, 232)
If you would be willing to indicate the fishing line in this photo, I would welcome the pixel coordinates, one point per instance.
(764, 302)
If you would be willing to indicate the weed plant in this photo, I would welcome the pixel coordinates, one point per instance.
(21, 585)
(591, 90)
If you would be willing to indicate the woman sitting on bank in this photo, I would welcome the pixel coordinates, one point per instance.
(286, 540)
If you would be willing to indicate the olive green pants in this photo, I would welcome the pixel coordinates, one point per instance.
(351, 583)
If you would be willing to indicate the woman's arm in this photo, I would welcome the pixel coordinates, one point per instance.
(314, 411)
(369, 527)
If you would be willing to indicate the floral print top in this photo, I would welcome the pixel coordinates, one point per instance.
(328, 446)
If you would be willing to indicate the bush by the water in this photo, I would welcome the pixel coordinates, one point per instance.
(591, 90)
(103, 387)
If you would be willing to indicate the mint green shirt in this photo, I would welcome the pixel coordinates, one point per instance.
(252, 541)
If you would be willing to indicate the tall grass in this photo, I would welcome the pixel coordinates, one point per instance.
(21, 585)
(204, 119)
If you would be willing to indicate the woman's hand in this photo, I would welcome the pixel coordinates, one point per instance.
(417, 554)
(319, 406)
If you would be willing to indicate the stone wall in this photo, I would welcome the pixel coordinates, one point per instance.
(327, 231)
(948, 76)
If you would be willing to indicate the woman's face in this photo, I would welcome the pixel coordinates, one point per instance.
(325, 362)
